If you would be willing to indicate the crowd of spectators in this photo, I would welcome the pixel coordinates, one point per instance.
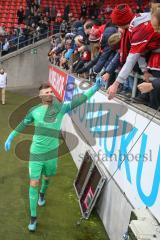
(119, 50)
(33, 24)
(115, 43)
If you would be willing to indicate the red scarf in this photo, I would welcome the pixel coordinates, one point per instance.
(124, 46)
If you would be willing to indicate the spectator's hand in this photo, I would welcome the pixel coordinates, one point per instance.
(145, 87)
(81, 49)
(106, 76)
(112, 90)
(63, 60)
(76, 51)
(146, 76)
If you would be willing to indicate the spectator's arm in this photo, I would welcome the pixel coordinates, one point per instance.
(113, 65)
(156, 83)
(88, 65)
(59, 50)
(142, 64)
(127, 67)
(102, 59)
(147, 87)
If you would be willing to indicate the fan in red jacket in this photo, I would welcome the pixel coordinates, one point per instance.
(143, 35)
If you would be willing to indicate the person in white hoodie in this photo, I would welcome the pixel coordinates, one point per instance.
(3, 84)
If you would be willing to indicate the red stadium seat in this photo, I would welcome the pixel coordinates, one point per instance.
(8, 8)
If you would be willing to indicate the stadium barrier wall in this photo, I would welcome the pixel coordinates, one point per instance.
(125, 143)
(113, 207)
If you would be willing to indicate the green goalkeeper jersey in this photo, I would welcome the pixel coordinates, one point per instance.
(47, 120)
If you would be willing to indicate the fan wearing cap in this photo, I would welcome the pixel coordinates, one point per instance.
(142, 35)
(89, 64)
(85, 56)
(122, 16)
(94, 39)
(85, 32)
(105, 53)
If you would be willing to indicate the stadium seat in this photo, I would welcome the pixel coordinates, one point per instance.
(8, 8)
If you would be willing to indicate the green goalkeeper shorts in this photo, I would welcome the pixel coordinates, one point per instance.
(46, 168)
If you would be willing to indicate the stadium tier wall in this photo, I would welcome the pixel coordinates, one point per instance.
(27, 67)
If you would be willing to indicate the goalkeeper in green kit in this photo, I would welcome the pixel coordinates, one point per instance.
(47, 118)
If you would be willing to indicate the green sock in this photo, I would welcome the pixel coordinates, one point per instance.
(33, 197)
(44, 185)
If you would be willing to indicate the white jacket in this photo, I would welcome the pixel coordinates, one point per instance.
(3, 80)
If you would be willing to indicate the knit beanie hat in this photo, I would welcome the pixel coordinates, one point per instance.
(122, 15)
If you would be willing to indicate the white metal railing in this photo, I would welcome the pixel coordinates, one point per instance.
(19, 42)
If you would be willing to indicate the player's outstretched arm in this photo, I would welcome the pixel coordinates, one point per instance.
(85, 96)
(23, 124)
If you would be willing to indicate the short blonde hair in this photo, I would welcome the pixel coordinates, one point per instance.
(154, 7)
(155, 11)
(114, 39)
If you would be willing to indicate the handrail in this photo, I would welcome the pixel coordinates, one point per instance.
(20, 44)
